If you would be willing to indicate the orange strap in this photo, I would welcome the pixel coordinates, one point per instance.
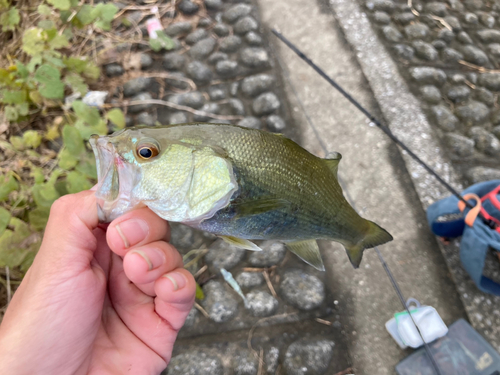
(472, 215)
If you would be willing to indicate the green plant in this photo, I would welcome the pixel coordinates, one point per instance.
(46, 154)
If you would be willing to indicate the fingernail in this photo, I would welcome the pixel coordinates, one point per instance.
(178, 280)
(153, 257)
(132, 231)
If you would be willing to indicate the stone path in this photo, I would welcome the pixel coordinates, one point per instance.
(448, 51)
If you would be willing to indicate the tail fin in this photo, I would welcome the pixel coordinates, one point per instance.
(374, 236)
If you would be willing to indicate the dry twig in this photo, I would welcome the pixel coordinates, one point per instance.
(269, 284)
(202, 310)
(478, 68)
(200, 271)
(442, 22)
(176, 106)
(323, 321)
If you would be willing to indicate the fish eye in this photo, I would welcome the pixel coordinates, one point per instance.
(147, 150)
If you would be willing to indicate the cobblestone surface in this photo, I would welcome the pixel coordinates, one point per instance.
(449, 51)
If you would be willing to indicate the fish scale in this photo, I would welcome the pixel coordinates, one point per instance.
(266, 187)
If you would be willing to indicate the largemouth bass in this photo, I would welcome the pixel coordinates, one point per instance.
(238, 183)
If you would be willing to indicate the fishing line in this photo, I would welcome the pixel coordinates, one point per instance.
(373, 119)
(387, 270)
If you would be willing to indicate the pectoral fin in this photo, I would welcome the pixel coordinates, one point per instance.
(259, 206)
(241, 243)
(308, 251)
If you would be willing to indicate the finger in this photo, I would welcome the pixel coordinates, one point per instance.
(136, 228)
(69, 231)
(147, 263)
(175, 293)
(137, 311)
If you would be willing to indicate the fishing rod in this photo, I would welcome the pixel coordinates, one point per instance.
(490, 223)
(387, 270)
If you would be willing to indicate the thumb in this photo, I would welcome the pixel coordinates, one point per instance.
(69, 232)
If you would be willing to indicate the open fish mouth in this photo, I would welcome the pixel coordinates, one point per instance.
(116, 180)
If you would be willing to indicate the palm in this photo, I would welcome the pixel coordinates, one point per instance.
(95, 301)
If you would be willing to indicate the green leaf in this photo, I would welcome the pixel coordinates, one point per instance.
(46, 24)
(72, 139)
(117, 117)
(32, 139)
(108, 11)
(100, 128)
(10, 19)
(75, 64)
(8, 184)
(76, 83)
(10, 113)
(37, 174)
(4, 219)
(50, 78)
(35, 60)
(33, 41)
(38, 217)
(22, 71)
(17, 142)
(23, 108)
(85, 15)
(11, 253)
(87, 166)
(76, 182)
(60, 4)
(161, 42)
(66, 160)
(44, 10)
(89, 115)
(44, 194)
(47, 74)
(199, 293)
(59, 41)
(92, 71)
(13, 97)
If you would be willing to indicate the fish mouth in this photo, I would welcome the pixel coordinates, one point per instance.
(116, 179)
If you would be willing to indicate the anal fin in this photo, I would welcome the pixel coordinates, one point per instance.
(308, 251)
(241, 243)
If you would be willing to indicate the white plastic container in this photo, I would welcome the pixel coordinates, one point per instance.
(404, 332)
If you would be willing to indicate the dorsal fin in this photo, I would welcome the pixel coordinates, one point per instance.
(332, 161)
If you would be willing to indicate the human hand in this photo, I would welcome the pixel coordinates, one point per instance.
(98, 299)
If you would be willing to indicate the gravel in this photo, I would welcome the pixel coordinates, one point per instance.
(219, 302)
(428, 75)
(473, 112)
(250, 279)
(245, 25)
(275, 124)
(272, 253)
(199, 72)
(173, 61)
(136, 85)
(230, 44)
(480, 174)
(227, 68)
(250, 122)
(196, 36)
(179, 28)
(223, 255)
(144, 118)
(257, 84)
(265, 104)
(261, 303)
(460, 146)
(202, 48)
(236, 106)
(235, 12)
(430, 94)
(417, 30)
(208, 108)
(308, 357)
(245, 363)
(178, 118)
(140, 107)
(254, 57)
(193, 99)
(445, 119)
(302, 290)
(195, 362)
(114, 70)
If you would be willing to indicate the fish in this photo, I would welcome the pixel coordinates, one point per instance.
(238, 183)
